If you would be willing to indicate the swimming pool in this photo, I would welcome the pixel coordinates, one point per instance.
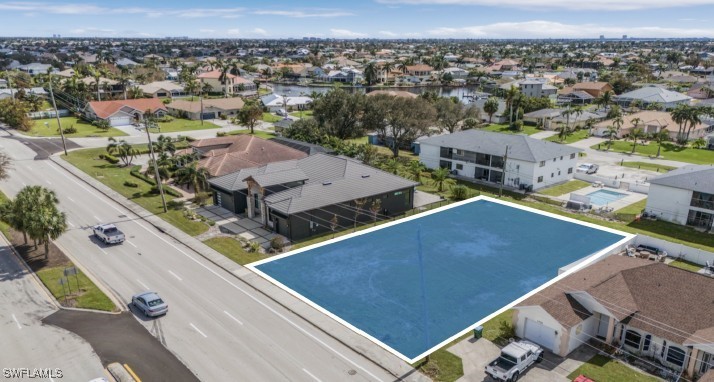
(414, 285)
(604, 197)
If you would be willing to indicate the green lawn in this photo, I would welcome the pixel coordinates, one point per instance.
(570, 138)
(180, 124)
(648, 166)
(302, 114)
(84, 129)
(502, 128)
(232, 249)
(257, 133)
(271, 118)
(564, 188)
(91, 296)
(4, 228)
(114, 177)
(383, 149)
(686, 265)
(669, 151)
(633, 209)
(602, 368)
(492, 328)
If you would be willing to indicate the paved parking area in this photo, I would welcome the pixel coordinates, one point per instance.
(230, 223)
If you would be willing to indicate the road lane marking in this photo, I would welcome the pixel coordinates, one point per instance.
(48, 182)
(175, 275)
(103, 198)
(231, 316)
(142, 284)
(196, 329)
(17, 322)
(310, 374)
(24, 184)
(132, 244)
(70, 223)
(70, 199)
(95, 217)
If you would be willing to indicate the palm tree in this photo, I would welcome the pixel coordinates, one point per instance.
(225, 68)
(490, 107)
(636, 134)
(194, 176)
(165, 144)
(370, 73)
(42, 221)
(680, 115)
(611, 133)
(391, 165)
(511, 95)
(388, 66)
(693, 119)
(604, 100)
(123, 149)
(440, 178)
(661, 137)
(97, 75)
(414, 170)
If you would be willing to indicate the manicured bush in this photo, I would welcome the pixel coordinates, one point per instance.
(277, 243)
(221, 134)
(175, 204)
(109, 158)
(459, 192)
(166, 118)
(130, 184)
(69, 130)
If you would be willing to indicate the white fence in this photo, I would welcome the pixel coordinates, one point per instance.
(642, 188)
(614, 183)
(48, 114)
(675, 250)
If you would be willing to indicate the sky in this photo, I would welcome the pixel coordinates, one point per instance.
(359, 18)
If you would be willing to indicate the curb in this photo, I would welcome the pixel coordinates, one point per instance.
(144, 215)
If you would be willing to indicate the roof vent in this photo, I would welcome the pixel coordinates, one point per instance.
(326, 183)
(365, 176)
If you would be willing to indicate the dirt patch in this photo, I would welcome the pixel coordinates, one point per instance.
(35, 257)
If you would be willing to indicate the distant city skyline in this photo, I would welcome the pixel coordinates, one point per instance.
(497, 19)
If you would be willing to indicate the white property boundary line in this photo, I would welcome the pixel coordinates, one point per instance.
(580, 264)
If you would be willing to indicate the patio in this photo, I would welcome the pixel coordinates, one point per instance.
(231, 224)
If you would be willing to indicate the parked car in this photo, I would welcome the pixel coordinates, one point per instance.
(150, 304)
(281, 112)
(515, 358)
(108, 233)
(587, 168)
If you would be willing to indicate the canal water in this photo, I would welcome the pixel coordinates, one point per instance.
(443, 91)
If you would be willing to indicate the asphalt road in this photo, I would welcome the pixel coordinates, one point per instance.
(220, 328)
(120, 338)
(25, 341)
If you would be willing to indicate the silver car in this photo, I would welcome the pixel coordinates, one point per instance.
(150, 304)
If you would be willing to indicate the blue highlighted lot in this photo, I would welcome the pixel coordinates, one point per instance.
(475, 259)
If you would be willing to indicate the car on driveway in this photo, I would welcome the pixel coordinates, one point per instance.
(108, 233)
(587, 168)
(513, 361)
(150, 304)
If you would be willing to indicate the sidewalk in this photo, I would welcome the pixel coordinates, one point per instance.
(332, 328)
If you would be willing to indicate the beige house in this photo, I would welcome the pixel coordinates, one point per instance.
(212, 108)
(233, 84)
(651, 122)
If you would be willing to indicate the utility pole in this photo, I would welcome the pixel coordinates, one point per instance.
(9, 85)
(503, 175)
(201, 99)
(147, 124)
(54, 106)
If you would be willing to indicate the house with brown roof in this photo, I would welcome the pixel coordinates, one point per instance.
(124, 112)
(651, 122)
(419, 70)
(646, 309)
(225, 155)
(595, 89)
(212, 108)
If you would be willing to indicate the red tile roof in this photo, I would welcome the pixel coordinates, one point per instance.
(215, 74)
(105, 109)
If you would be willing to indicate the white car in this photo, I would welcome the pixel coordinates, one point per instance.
(515, 358)
(587, 168)
(108, 233)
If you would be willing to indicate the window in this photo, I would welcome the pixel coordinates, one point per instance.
(632, 339)
(558, 172)
(459, 166)
(646, 344)
(676, 356)
(570, 170)
(572, 156)
(540, 179)
(552, 175)
(561, 158)
(542, 163)
(554, 159)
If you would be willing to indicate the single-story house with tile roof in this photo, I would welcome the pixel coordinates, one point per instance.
(233, 83)
(646, 309)
(314, 195)
(163, 89)
(652, 122)
(532, 163)
(595, 89)
(684, 196)
(8, 93)
(225, 155)
(276, 102)
(551, 118)
(652, 94)
(212, 108)
(124, 112)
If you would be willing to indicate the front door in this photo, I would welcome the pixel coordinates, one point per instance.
(256, 205)
(603, 324)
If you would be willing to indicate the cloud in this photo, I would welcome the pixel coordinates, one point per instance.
(303, 14)
(92, 9)
(600, 5)
(260, 31)
(233, 32)
(91, 31)
(551, 29)
(344, 33)
(388, 33)
(207, 30)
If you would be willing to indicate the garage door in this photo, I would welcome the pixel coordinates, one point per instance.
(224, 200)
(120, 121)
(541, 334)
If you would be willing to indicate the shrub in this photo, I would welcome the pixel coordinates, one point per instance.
(102, 124)
(165, 118)
(211, 223)
(253, 247)
(221, 134)
(506, 330)
(223, 117)
(130, 184)
(174, 204)
(110, 158)
(69, 130)
(189, 139)
(459, 192)
(277, 243)
(201, 198)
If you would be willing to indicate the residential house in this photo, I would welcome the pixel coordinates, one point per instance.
(107, 86)
(314, 195)
(163, 89)
(652, 122)
(274, 102)
(35, 68)
(578, 97)
(652, 94)
(456, 73)
(233, 83)
(595, 89)
(516, 161)
(535, 88)
(10, 92)
(647, 310)
(125, 62)
(419, 70)
(307, 148)
(3, 83)
(701, 90)
(501, 115)
(124, 112)
(684, 196)
(551, 118)
(212, 108)
(226, 155)
(344, 75)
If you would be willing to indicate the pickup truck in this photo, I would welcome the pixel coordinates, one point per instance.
(515, 358)
(108, 233)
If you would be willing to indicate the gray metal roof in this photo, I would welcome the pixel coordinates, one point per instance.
(652, 93)
(521, 147)
(329, 180)
(696, 178)
(308, 148)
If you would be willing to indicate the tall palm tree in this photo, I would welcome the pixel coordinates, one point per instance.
(693, 119)
(194, 176)
(661, 137)
(636, 134)
(97, 75)
(370, 73)
(680, 115)
(490, 107)
(414, 170)
(123, 149)
(440, 179)
(611, 133)
(511, 95)
(604, 100)
(42, 221)
(388, 66)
